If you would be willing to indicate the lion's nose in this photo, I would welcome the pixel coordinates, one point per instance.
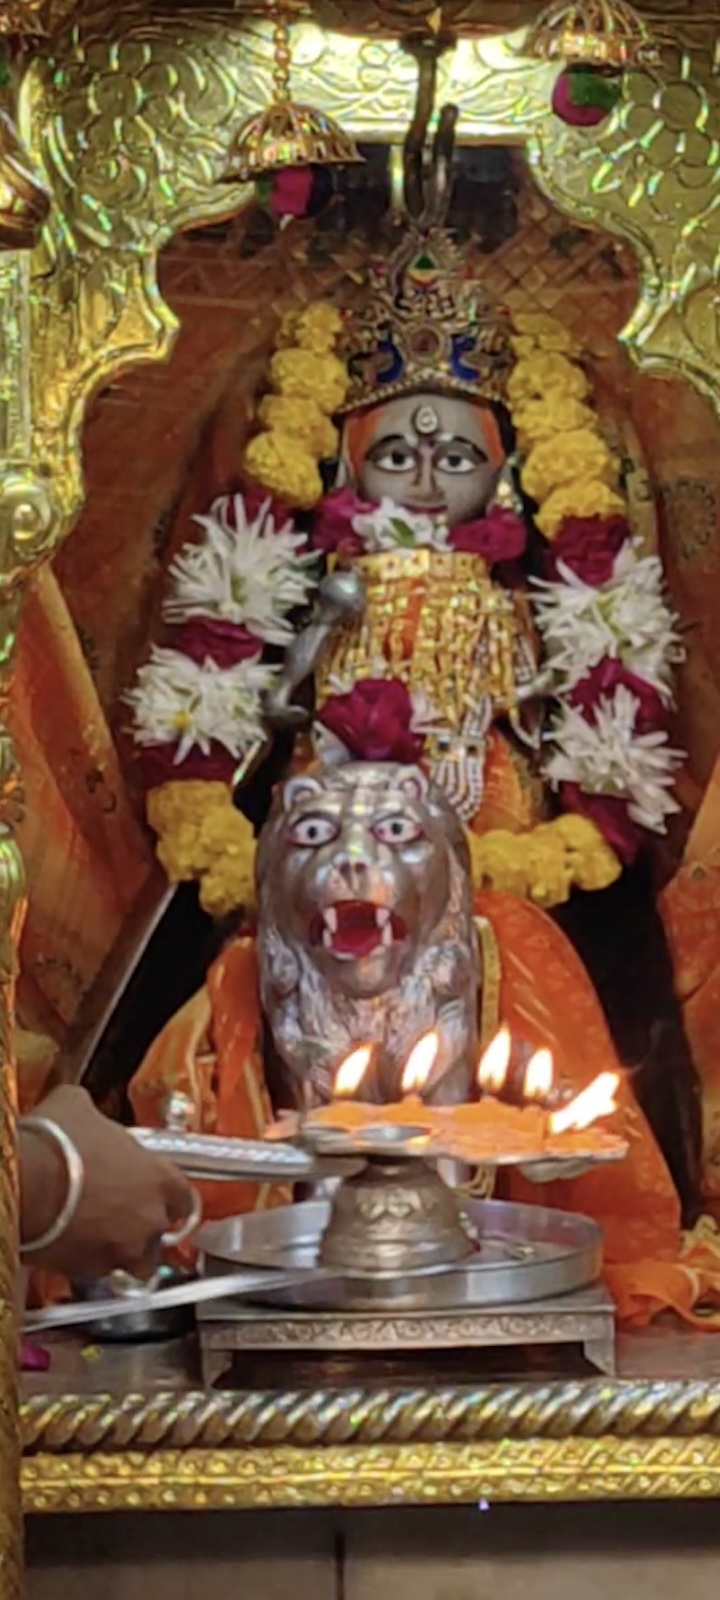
(353, 870)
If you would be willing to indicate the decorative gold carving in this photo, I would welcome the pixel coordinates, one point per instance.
(652, 178)
(376, 1474)
(132, 121)
(581, 1410)
(128, 169)
(23, 503)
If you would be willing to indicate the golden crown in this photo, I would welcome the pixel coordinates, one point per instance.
(425, 322)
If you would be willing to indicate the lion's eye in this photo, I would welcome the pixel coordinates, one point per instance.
(310, 832)
(397, 830)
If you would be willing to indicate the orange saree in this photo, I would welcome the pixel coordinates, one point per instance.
(210, 1050)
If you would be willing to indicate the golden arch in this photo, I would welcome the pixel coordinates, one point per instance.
(131, 116)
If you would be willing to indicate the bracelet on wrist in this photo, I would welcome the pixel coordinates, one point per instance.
(63, 1146)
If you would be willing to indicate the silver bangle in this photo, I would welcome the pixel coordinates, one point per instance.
(75, 1171)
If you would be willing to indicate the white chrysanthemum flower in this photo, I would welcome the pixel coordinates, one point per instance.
(626, 619)
(393, 527)
(608, 757)
(246, 572)
(178, 701)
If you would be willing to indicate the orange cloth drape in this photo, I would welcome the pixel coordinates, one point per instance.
(210, 1051)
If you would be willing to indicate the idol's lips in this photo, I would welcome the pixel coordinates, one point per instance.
(352, 930)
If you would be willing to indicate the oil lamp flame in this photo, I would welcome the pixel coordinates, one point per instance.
(351, 1072)
(495, 1063)
(539, 1074)
(598, 1100)
(420, 1063)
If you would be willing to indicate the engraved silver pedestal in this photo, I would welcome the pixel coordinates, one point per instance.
(531, 1281)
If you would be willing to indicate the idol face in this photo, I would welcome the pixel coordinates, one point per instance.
(430, 453)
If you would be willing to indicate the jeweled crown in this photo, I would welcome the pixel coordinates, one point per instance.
(425, 322)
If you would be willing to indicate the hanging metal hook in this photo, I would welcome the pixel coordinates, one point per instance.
(421, 201)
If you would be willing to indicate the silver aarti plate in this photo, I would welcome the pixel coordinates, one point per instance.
(524, 1253)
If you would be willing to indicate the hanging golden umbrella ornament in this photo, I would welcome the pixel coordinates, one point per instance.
(285, 141)
(594, 42)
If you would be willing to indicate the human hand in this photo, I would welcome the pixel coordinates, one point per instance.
(129, 1198)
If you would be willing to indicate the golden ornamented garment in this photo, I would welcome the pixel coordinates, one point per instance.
(436, 622)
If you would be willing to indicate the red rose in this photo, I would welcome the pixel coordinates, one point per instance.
(610, 814)
(500, 536)
(373, 722)
(333, 523)
(601, 683)
(290, 191)
(210, 639)
(158, 765)
(588, 546)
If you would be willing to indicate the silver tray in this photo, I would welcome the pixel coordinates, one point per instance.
(216, 1160)
(526, 1253)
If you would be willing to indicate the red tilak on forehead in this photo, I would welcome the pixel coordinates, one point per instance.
(361, 430)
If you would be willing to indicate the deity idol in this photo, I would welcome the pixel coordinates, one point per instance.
(486, 622)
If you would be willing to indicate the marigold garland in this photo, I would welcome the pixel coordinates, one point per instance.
(545, 864)
(609, 637)
(536, 421)
(571, 459)
(203, 837)
(588, 499)
(286, 468)
(309, 383)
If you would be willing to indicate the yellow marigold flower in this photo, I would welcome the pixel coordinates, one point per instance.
(180, 854)
(226, 888)
(590, 859)
(538, 375)
(228, 878)
(537, 330)
(549, 869)
(498, 861)
(539, 420)
(300, 420)
(285, 468)
(598, 869)
(569, 458)
(306, 376)
(184, 802)
(227, 834)
(318, 327)
(588, 499)
(594, 864)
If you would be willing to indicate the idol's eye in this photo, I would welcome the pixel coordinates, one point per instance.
(397, 830)
(311, 832)
(394, 458)
(456, 461)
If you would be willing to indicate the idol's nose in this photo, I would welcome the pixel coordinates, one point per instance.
(424, 485)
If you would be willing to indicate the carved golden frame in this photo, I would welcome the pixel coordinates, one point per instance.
(130, 115)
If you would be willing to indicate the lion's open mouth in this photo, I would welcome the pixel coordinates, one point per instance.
(355, 929)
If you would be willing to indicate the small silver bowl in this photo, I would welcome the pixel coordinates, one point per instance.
(140, 1326)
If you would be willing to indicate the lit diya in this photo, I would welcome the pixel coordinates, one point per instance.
(490, 1131)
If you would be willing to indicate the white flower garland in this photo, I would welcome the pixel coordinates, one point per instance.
(246, 572)
(177, 700)
(392, 527)
(249, 574)
(626, 619)
(609, 757)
